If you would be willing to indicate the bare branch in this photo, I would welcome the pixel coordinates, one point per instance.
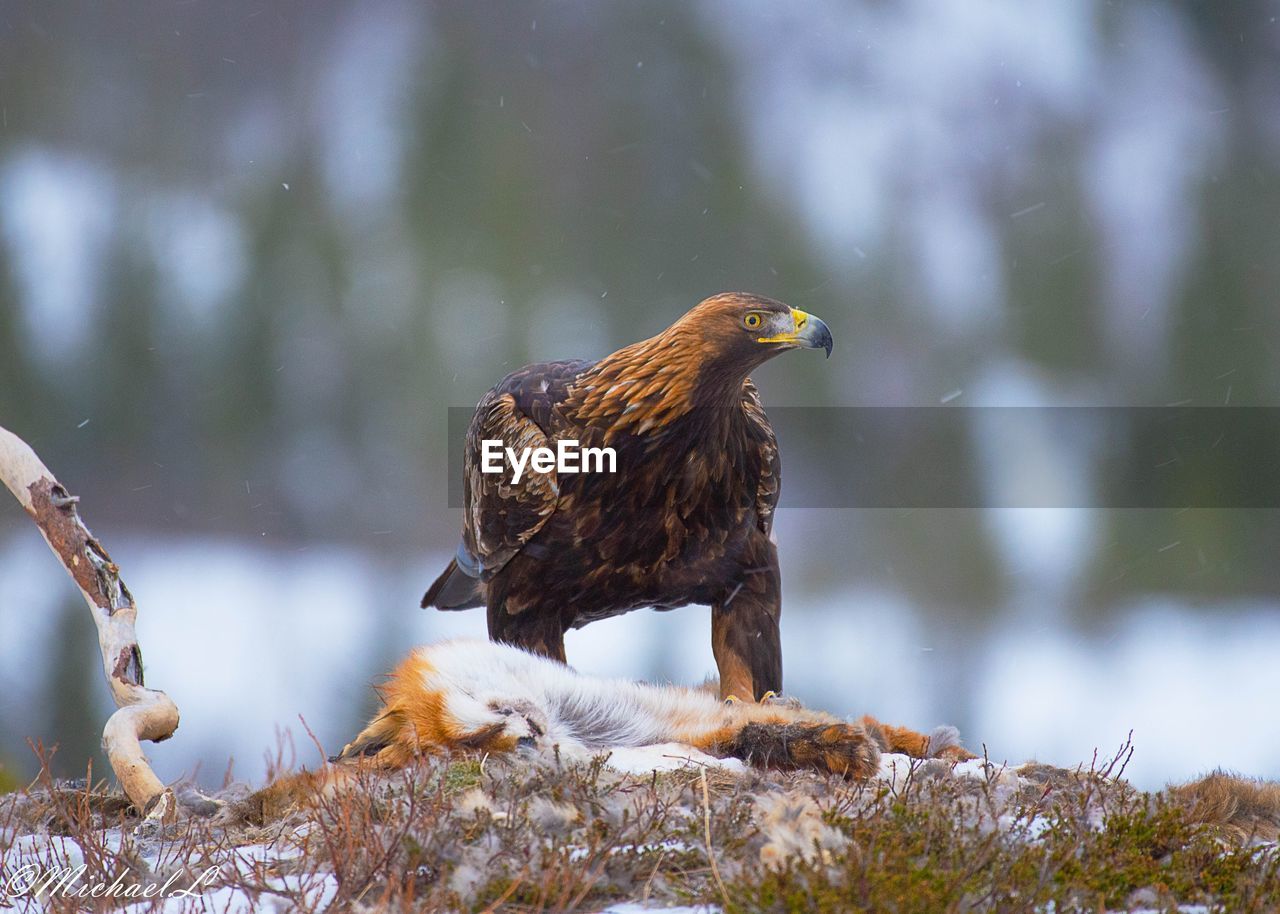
(143, 713)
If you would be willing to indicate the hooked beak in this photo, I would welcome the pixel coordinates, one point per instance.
(809, 332)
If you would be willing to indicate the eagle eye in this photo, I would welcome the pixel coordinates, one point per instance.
(752, 321)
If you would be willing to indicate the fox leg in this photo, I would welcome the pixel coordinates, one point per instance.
(944, 742)
(771, 737)
(382, 741)
(835, 748)
(745, 637)
(390, 741)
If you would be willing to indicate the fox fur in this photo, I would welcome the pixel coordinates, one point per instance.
(488, 697)
(493, 697)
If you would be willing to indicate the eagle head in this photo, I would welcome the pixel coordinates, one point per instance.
(701, 359)
(747, 329)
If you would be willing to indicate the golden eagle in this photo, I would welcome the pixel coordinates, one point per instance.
(684, 518)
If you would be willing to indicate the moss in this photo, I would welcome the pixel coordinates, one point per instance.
(934, 851)
(461, 775)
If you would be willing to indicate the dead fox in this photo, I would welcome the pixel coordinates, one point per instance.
(489, 697)
(492, 697)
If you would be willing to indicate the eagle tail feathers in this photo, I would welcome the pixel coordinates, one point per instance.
(454, 589)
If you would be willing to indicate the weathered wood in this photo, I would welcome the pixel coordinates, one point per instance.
(143, 713)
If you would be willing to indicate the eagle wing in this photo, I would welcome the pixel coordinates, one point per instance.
(500, 516)
(770, 483)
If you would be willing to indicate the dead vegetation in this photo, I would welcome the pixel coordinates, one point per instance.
(534, 835)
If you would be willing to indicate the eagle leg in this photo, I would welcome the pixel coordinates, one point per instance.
(745, 637)
(534, 629)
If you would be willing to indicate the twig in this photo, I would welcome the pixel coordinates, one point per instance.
(315, 741)
(648, 883)
(511, 890)
(144, 714)
(706, 827)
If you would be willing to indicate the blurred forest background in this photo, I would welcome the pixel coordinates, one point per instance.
(252, 252)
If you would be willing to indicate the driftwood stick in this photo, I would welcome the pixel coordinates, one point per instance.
(143, 713)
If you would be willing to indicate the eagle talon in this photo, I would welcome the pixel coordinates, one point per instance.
(782, 701)
(732, 700)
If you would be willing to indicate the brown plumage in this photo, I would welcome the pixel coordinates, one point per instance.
(686, 517)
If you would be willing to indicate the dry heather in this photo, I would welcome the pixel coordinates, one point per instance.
(535, 835)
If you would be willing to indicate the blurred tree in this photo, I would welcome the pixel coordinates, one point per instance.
(79, 705)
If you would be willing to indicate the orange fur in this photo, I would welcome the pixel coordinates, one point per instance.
(414, 721)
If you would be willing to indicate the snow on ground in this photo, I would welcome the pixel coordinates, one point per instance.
(194, 887)
(666, 757)
(205, 874)
(199, 888)
(634, 908)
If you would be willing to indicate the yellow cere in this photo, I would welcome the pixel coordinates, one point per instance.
(800, 317)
